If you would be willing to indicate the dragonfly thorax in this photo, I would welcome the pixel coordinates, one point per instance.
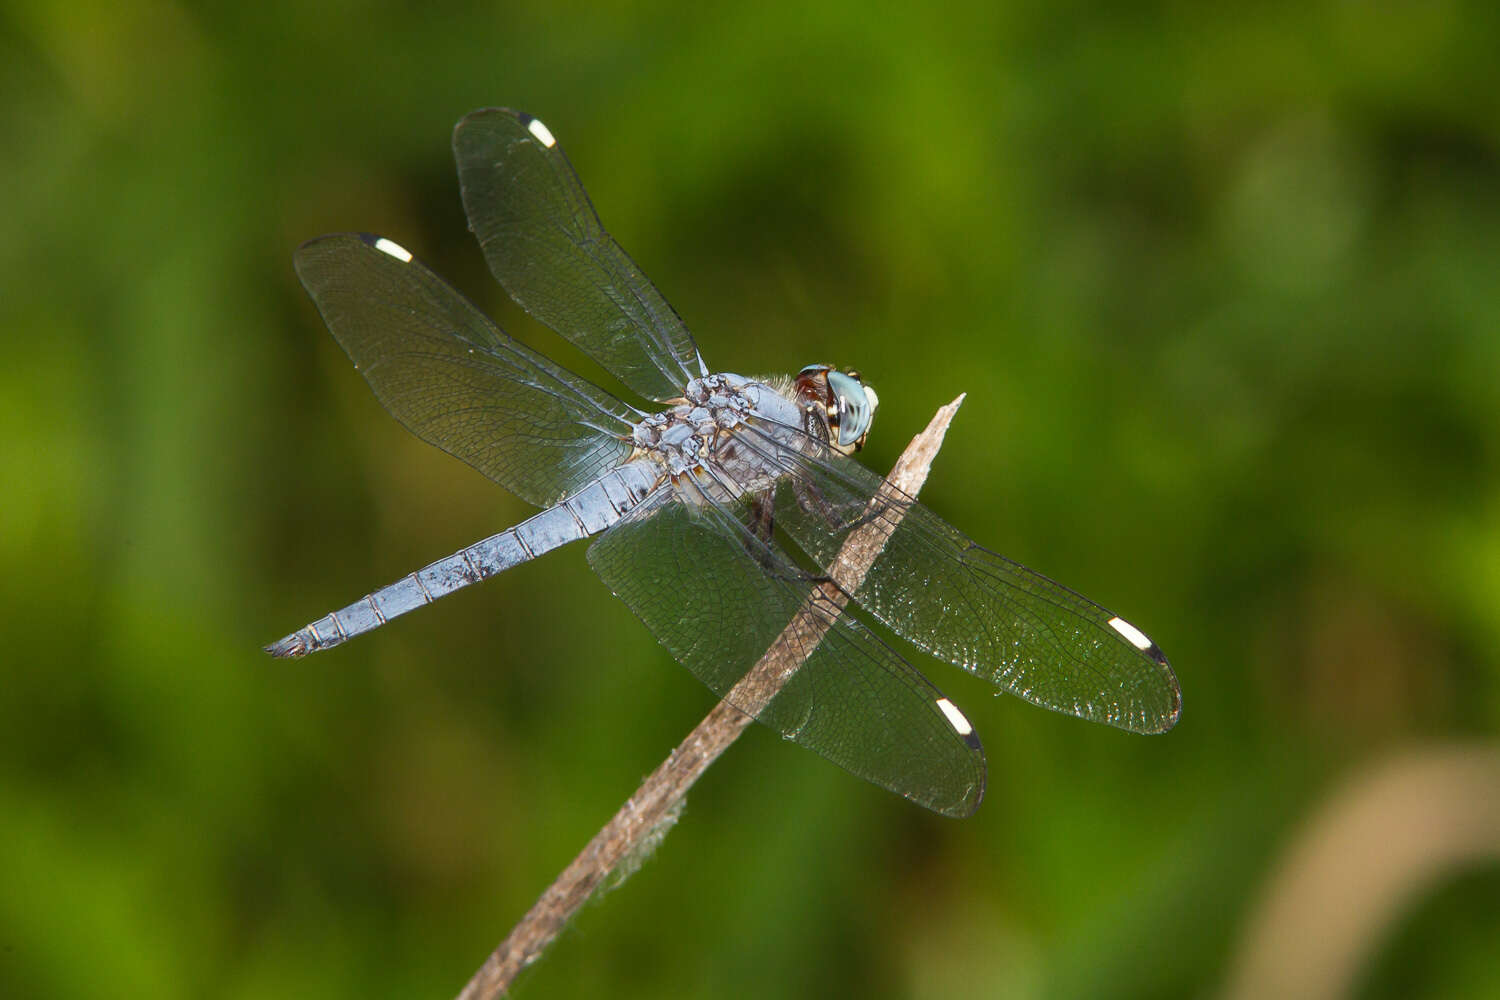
(724, 435)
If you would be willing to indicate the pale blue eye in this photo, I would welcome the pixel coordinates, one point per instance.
(856, 407)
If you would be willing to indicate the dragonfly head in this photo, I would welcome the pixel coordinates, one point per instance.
(840, 403)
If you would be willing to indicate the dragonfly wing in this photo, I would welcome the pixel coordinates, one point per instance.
(544, 243)
(993, 617)
(718, 597)
(453, 378)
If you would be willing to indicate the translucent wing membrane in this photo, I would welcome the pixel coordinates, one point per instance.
(962, 603)
(718, 597)
(544, 243)
(706, 577)
(454, 379)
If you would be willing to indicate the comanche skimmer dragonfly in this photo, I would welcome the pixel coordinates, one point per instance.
(682, 502)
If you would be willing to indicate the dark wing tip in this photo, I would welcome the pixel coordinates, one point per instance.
(971, 805)
(1174, 689)
(318, 244)
(1149, 650)
(1175, 713)
(974, 794)
(968, 805)
(959, 808)
(316, 241)
(480, 114)
(528, 127)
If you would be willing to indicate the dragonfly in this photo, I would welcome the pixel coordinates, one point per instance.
(691, 502)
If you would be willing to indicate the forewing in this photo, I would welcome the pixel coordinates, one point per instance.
(995, 618)
(454, 379)
(544, 243)
(719, 598)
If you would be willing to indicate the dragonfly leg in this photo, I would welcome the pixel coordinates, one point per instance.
(760, 524)
(763, 516)
(813, 502)
(838, 518)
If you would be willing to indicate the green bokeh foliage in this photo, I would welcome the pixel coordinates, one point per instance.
(1220, 281)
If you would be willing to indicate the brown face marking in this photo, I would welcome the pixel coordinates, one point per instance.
(815, 400)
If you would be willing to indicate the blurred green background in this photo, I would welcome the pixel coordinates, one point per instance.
(1220, 282)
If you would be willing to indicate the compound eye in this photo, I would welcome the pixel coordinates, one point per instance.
(854, 408)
